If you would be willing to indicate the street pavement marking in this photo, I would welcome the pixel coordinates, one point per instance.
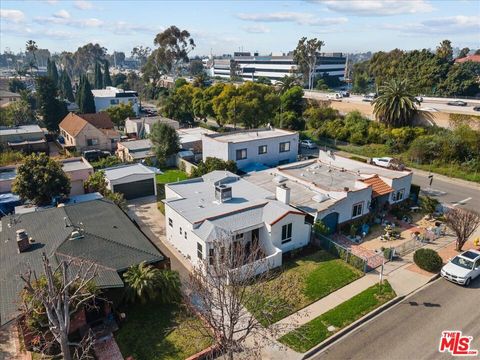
(462, 202)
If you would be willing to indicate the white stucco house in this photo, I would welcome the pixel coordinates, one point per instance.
(111, 96)
(222, 207)
(253, 149)
(336, 189)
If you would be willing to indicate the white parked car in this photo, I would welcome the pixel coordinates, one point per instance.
(309, 144)
(383, 161)
(463, 268)
(335, 96)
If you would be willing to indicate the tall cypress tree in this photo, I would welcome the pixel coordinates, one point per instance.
(54, 75)
(98, 79)
(87, 103)
(51, 109)
(107, 81)
(79, 93)
(65, 86)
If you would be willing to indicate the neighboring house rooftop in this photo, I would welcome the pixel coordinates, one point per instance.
(189, 135)
(248, 135)
(474, 58)
(111, 91)
(118, 172)
(379, 187)
(74, 123)
(9, 94)
(22, 129)
(137, 145)
(8, 173)
(150, 120)
(73, 164)
(109, 240)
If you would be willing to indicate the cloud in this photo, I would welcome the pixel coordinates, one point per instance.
(256, 29)
(377, 7)
(78, 23)
(83, 4)
(443, 25)
(15, 16)
(62, 14)
(296, 17)
(126, 28)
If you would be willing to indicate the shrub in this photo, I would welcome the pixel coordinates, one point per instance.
(387, 253)
(320, 228)
(428, 259)
(357, 158)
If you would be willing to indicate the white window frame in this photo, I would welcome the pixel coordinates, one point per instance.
(284, 144)
(241, 154)
(262, 147)
(395, 195)
(353, 209)
(199, 251)
(170, 222)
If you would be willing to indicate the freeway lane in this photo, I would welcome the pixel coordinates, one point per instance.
(412, 328)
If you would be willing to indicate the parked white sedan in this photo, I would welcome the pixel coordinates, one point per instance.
(463, 268)
(309, 144)
(383, 161)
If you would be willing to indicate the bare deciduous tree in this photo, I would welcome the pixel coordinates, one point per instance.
(59, 294)
(463, 223)
(233, 295)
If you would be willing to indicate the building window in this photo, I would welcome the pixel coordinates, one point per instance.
(398, 196)
(357, 210)
(241, 154)
(180, 230)
(286, 233)
(262, 149)
(199, 251)
(92, 142)
(285, 146)
(211, 256)
(185, 233)
(170, 222)
(114, 102)
(239, 236)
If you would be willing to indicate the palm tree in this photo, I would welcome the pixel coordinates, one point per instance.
(31, 47)
(396, 105)
(287, 82)
(145, 283)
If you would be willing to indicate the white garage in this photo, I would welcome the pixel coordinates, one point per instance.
(133, 181)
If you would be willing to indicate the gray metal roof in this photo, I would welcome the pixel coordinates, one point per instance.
(110, 240)
(134, 145)
(251, 206)
(23, 129)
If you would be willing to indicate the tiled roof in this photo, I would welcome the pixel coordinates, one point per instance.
(379, 187)
(74, 123)
(474, 58)
(110, 240)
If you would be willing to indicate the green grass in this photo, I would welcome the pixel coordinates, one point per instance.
(316, 331)
(156, 331)
(308, 279)
(171, 175)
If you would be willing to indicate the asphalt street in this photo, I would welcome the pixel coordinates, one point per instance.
(412, 328)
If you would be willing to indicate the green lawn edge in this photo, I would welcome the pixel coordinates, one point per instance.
(315, 331)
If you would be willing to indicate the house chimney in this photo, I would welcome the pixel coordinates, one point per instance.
(22, 240)
(223, 193)
(283, 194)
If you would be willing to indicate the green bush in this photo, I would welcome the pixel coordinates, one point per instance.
(356, 158)
(428, 259)
(387, 253)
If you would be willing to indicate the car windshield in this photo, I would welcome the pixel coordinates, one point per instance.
(464, 263)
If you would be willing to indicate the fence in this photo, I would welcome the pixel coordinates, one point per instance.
(342, 252)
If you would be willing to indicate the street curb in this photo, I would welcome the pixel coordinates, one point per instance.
(364, 319)
(451, 180)
(352, 327)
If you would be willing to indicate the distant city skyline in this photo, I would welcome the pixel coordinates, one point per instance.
(225, 26)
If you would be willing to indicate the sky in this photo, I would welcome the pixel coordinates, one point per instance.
(222, 27)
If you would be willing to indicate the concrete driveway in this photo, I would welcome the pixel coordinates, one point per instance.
(152, 222)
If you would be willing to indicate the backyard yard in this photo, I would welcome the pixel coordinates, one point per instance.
(171, 175)
(308, 278)
(325, 325)
(155, 331)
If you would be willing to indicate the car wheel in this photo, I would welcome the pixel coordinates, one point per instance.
(467, 282)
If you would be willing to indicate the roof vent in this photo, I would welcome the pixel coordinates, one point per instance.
(223, 193)
(279, 179)
(22, 240)
(319, 198)
(76, 234)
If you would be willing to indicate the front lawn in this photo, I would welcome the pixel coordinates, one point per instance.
(308, 279)
(156, 331)
(171, 175)
(316, 331)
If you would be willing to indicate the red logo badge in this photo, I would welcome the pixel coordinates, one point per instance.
(456, 344)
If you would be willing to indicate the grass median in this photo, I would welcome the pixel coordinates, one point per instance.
(316, 331)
